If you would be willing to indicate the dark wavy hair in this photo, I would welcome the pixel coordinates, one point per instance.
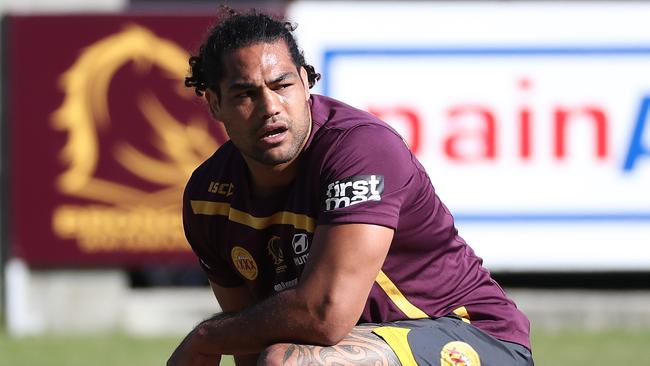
(234, 32)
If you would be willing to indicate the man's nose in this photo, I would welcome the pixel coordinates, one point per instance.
(269, 103)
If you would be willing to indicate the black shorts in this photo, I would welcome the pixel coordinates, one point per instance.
(449, 341)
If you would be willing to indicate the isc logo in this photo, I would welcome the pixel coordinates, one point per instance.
(353, 190)
(225, 189)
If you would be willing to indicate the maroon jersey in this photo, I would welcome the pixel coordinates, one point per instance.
(354, 169)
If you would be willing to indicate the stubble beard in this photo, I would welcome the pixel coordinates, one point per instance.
(298, 136)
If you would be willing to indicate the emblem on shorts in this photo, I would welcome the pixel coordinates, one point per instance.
(275, 251)
(353, 190)
(244, 263)
(459, 354)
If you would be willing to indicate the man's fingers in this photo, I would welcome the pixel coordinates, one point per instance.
(187, 359)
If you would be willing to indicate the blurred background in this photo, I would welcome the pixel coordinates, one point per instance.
(529, 116)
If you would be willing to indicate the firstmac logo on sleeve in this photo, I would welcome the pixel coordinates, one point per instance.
(353, 190)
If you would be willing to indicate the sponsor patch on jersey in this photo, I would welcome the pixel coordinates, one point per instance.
(285, 285)
(301, 260)
(300, 243)
(459, 354)
(224, 189)
(356, 189)
(244, 263)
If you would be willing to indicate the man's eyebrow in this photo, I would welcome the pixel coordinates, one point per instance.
(282, 77)
(242, 85)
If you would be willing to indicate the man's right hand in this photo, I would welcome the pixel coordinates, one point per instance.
(186, 354)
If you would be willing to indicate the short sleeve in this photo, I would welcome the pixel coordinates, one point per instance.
(366, 177)
(199, 231)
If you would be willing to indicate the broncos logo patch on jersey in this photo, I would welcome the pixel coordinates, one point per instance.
(274, 249)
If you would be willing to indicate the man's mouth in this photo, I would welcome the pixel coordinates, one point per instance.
(274, 132)
(274, 135)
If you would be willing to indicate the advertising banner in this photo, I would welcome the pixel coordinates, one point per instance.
(530, 118)
(102, 137)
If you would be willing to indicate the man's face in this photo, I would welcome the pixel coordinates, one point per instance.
(263, 102)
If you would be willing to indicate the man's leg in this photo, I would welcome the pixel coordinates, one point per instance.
(443, 341)
(360, 347)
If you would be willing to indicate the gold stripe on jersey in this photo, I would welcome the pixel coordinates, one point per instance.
(210, 208)
(298, 221)
(398, 298)
(397, 339)
(462, 313)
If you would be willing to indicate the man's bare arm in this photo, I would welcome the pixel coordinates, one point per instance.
(320, 310)
(232, 300)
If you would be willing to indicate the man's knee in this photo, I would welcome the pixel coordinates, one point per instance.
(273, 355)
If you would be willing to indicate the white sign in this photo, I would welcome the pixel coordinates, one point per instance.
(532, 120)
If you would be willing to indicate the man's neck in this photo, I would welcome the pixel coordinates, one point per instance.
(268, 180)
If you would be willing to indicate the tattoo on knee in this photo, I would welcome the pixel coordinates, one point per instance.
(360, 347)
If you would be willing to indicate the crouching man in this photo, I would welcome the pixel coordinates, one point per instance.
(329, 245)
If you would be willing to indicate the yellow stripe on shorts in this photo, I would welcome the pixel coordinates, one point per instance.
(397, 339)
(462, 313)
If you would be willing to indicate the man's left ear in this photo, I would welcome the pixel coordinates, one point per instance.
(305, 81)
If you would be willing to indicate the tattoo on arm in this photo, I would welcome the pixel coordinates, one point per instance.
(360, 347)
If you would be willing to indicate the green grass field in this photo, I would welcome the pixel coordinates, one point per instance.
(574, 348)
